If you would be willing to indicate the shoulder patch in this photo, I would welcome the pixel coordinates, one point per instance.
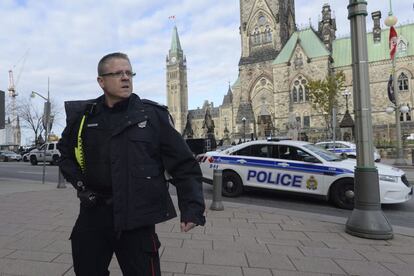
(145, 101)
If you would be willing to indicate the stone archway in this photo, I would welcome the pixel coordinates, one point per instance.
(262, 101)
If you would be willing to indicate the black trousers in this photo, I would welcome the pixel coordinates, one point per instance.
(94, 242)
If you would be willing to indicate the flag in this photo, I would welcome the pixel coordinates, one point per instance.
(393, 42)
(171, 17)
(390, 90)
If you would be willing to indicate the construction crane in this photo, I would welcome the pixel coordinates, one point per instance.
(12, 87)
(13, 94)
(14, 119)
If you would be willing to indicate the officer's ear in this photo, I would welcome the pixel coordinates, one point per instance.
(100, 80)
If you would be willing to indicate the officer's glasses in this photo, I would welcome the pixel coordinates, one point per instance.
(119, 74)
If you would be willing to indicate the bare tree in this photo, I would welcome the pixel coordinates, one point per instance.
(31, 117)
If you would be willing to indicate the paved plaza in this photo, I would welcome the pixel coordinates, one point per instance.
(36, 221)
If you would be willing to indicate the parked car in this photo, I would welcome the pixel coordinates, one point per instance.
(25, 157)
(52, 154)
(6, 156)
(26, 153)
(297, 167)
(345, 148)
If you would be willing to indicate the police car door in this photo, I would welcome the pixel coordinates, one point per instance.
(297, 170)
(255, 165)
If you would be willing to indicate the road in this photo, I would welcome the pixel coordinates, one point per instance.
(397, 214)
(25, 171)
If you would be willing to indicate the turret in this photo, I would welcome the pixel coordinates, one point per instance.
(327, 27)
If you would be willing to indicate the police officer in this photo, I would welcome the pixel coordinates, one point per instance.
(115, 151)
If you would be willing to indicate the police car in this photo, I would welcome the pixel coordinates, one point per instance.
(299, 167)
(345, 148)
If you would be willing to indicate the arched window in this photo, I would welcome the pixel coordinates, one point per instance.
(306, 121)
(299, 91)
(306, 95)
(295, 95)
(298, 121)
(403, 82)
(267, 34)
(256, 36)
(261, 33)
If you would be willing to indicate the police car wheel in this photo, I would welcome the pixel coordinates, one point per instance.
(342, 194)
(55, 159)
(232, 184)
(33, 160)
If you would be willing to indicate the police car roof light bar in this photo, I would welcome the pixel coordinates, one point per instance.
(277, 139)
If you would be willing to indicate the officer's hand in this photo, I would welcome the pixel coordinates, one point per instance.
(87, 198)
(187, 226)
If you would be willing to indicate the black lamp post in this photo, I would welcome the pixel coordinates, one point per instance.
(46, 117)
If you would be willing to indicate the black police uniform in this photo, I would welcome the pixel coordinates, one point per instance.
(121, 182)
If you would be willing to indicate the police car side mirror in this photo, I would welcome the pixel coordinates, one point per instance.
(311, 159)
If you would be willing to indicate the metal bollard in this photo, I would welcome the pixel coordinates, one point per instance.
(61, 181)
(217, 204)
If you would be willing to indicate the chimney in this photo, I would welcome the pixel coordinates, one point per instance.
(376, 32)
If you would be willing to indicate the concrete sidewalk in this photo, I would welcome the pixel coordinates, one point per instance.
(241, 240)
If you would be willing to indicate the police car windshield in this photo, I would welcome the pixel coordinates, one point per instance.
(323, 153)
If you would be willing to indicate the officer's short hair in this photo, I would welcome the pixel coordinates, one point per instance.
(104, 60)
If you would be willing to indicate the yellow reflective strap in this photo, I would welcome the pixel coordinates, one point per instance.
(79, 149)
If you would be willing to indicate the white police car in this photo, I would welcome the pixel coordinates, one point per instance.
(300, 167)
(344, 147)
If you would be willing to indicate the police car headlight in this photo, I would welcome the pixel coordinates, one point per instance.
(388, 178)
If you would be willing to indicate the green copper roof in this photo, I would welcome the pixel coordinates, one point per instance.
(308, 40)
(175, 42)
(376, 51)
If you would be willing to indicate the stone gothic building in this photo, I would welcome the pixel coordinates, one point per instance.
(10, 136)
(277, 61)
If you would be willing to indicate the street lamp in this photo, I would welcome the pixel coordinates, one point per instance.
(367, 219)
(390, 21)
(346, 94)
(403, 109)
(46, 118)
(244, 128)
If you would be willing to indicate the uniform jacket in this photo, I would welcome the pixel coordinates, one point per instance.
(142, 148)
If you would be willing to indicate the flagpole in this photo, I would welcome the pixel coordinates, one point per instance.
(391, 21)
(399, 150)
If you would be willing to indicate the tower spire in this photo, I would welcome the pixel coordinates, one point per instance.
(175, 43)
(177, 91)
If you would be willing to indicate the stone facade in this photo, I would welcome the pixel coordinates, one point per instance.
(277, 61)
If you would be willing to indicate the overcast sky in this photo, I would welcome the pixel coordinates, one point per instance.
(64, 39)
